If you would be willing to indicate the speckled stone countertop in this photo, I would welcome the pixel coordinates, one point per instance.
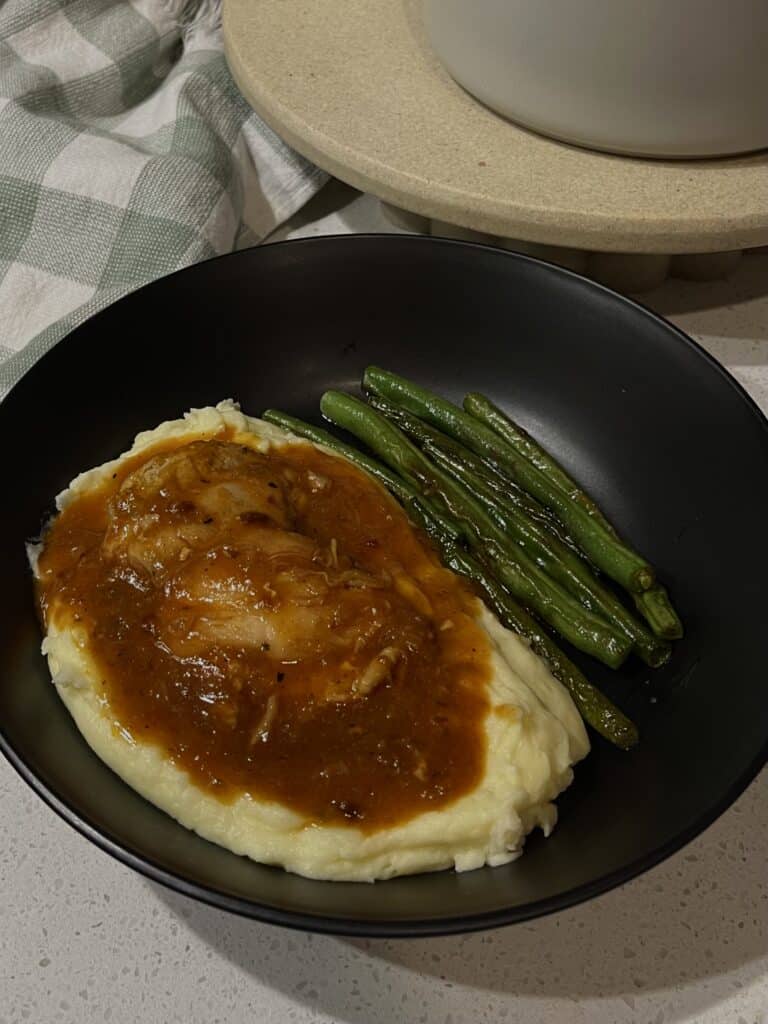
(83, 938)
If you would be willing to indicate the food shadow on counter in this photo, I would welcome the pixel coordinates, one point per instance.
(703, 914)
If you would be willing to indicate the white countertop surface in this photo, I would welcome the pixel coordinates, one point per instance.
(83, 938)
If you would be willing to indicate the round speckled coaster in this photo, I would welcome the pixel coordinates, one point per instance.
(353, 85)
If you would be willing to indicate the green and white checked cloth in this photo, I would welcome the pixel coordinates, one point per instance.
(126, 151)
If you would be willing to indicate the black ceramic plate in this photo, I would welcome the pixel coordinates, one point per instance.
(673, 449)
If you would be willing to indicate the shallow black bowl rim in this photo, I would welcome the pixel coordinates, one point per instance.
(406, 928)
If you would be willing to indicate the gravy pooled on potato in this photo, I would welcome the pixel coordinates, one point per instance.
(273, 622)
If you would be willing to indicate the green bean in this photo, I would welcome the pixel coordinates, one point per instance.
(655, 605)
(605, 550)
(561, 564)
(483, 409)
(544, 546)
(514, 568)
(430, 439)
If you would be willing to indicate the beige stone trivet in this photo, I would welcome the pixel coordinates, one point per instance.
(353, 85)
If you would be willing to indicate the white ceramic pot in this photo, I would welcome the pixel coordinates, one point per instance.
(664, 78)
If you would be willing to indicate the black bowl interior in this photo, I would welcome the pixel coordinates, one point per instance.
(668, 443)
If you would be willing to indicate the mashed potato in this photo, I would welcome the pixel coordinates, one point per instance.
(533, 735)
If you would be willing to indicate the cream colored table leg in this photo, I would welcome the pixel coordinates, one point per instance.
(628, 272)
(710, 266)
(404, 220)
(572, 259)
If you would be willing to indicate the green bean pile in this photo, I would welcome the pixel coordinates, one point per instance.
(503, 513)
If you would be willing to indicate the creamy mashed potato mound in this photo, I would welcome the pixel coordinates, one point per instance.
(533, 735)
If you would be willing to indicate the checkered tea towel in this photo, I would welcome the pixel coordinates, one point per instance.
(126, 151)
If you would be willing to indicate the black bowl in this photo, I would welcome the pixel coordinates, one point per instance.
(669, 444)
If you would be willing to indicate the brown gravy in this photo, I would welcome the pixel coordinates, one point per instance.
(275, 624)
